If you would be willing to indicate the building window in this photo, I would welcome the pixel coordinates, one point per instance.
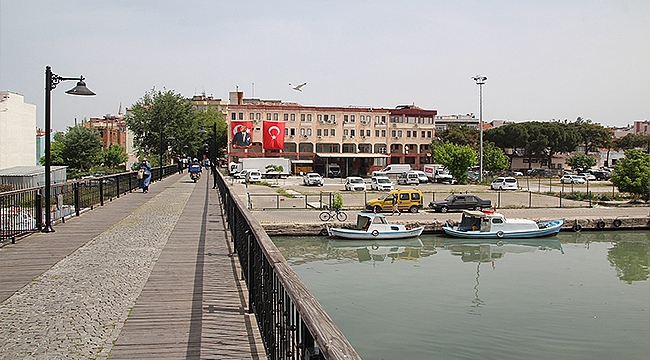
(325, 132)
(399, 133)
(233, 116)
(394, 133)
(258, 116)
(268, 116)
(308, 117)
(345, 118)
(333, 118)
(326, 118)
(415, 133)
(362, 118)
(408, 133)
(368, 133)
(333, 132)
(251, 116)
(292, 131)
(302, 117)
(423, 134)
(345, 132)
(275, 116)
(293, 117)
(319, 132)
(365, 148)
(429, 134)
(286, 117)
(286, 131)
(319, 117)
(352, 132)
(302, 131)
(376, 133)
(383, 133)
(309, 131)
(349, 148)
(351, 118)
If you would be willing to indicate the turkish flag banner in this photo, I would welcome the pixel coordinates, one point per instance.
(241, 133)
(273, 135)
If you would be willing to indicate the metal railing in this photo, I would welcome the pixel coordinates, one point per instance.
(292, 323)
(22, 212)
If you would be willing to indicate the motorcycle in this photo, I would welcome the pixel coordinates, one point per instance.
(195, 172)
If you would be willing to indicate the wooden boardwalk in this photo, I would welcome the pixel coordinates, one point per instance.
(193, 303)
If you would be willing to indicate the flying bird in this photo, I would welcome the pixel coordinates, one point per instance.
(298, 87)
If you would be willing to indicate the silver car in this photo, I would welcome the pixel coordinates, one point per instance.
(312, 179)
(572, 179)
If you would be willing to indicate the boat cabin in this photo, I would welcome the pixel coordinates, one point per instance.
(493, 222)
(370, 221)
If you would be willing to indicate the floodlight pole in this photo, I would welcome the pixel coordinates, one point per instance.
(480, 81)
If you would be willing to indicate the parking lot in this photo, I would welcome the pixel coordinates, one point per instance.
(291, 193)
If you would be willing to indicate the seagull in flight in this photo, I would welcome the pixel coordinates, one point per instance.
(298, 87)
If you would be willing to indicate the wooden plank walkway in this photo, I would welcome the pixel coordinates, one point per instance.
(192, 304)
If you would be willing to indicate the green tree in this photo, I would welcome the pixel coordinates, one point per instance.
(581, 162)
(494, 159)
(82, 145)
(114, 156)
(277, 169)
(456, 158)
(208, 118)
(159, 115)
(632, 174)
(57, 148)
(593, 136)
(461, 135)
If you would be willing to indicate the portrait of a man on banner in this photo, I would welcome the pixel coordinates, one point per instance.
(242, 136)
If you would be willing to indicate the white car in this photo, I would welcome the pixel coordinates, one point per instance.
(354, 183)
(587, 176)
(504, 183)
(253, 176)
(421, 176)
(572, 179)
(312, 179)
(241, 175)
(408, 178)
(381, 183)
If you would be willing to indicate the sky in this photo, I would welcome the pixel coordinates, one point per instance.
(546, 59)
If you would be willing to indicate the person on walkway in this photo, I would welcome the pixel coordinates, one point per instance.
(213, 168)
(144, 174)
(395, 208)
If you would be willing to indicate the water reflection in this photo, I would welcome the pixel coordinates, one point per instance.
(487, 250)
(379, 250)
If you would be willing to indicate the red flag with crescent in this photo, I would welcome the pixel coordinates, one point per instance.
(241, 134)
(273, 135)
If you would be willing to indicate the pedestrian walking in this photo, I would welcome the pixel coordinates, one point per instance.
(395, 208)
(144, 175)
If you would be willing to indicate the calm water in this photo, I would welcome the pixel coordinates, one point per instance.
(576, 296)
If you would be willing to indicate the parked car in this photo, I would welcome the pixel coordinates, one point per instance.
(460, 202)
(381, 183)
(241, 175)
(408, 178)
(504, 183)
(312, 179)
(253, 176)
(354, 183)
(407, 199)
(443, 176)
(540, 173)
(600, 174)
(572, 179)
(421, 176)
(587, 176)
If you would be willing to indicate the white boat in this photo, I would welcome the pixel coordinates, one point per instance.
(492, 225)
(376, 227)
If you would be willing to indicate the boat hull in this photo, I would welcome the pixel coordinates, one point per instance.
(352, 234)
(552, 228)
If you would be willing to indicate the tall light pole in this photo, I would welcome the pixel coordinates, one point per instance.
(480, 81)
(51, 81)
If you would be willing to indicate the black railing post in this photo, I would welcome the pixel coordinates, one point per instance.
(101, 192)
(39, 210)
(117, 185)
(77, 205)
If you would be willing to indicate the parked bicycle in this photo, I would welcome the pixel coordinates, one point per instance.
(330, 214)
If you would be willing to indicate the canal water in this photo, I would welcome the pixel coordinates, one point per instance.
(575, 296)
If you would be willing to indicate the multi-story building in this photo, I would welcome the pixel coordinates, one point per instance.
(112, 130)
(359, 139)
(17, 131)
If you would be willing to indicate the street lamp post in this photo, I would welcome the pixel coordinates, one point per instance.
(480, 81)
(51, 81)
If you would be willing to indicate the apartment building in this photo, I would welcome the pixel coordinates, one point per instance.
(17, 131)
(359, 139)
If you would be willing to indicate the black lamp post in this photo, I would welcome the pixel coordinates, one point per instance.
(51, 81)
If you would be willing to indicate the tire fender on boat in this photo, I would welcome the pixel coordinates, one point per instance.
(375, 246)
(499, 234)
(617, 223)
(600, 224)
(375, 233)
(324, 231)
(576, 227)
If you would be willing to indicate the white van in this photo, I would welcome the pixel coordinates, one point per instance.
(397, 169)
(409, 178)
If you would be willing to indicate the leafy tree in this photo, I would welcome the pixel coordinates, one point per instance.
(494, 159)
(208, 119)
(593, 136)
(114, 156)
(278, 169)
(632, 174)
(82, 145)
(461, 135)
(512, 136)
(57, 147)
(159, 115)
(581, 162)
(456, 158)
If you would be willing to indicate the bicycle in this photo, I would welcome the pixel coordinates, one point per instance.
(330, 214)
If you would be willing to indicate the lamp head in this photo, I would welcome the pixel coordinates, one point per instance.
(80, 89)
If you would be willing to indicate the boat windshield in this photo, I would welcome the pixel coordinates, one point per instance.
(379, 220)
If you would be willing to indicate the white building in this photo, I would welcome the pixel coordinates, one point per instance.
(17, 131)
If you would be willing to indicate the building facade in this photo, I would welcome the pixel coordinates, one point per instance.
(359, 139)
(17, 131)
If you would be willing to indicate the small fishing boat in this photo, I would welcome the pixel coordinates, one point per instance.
(492, 225)
(376, 227)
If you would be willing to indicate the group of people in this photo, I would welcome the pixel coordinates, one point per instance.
(144, 172)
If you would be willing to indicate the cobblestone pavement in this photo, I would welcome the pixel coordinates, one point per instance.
(68, 313)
